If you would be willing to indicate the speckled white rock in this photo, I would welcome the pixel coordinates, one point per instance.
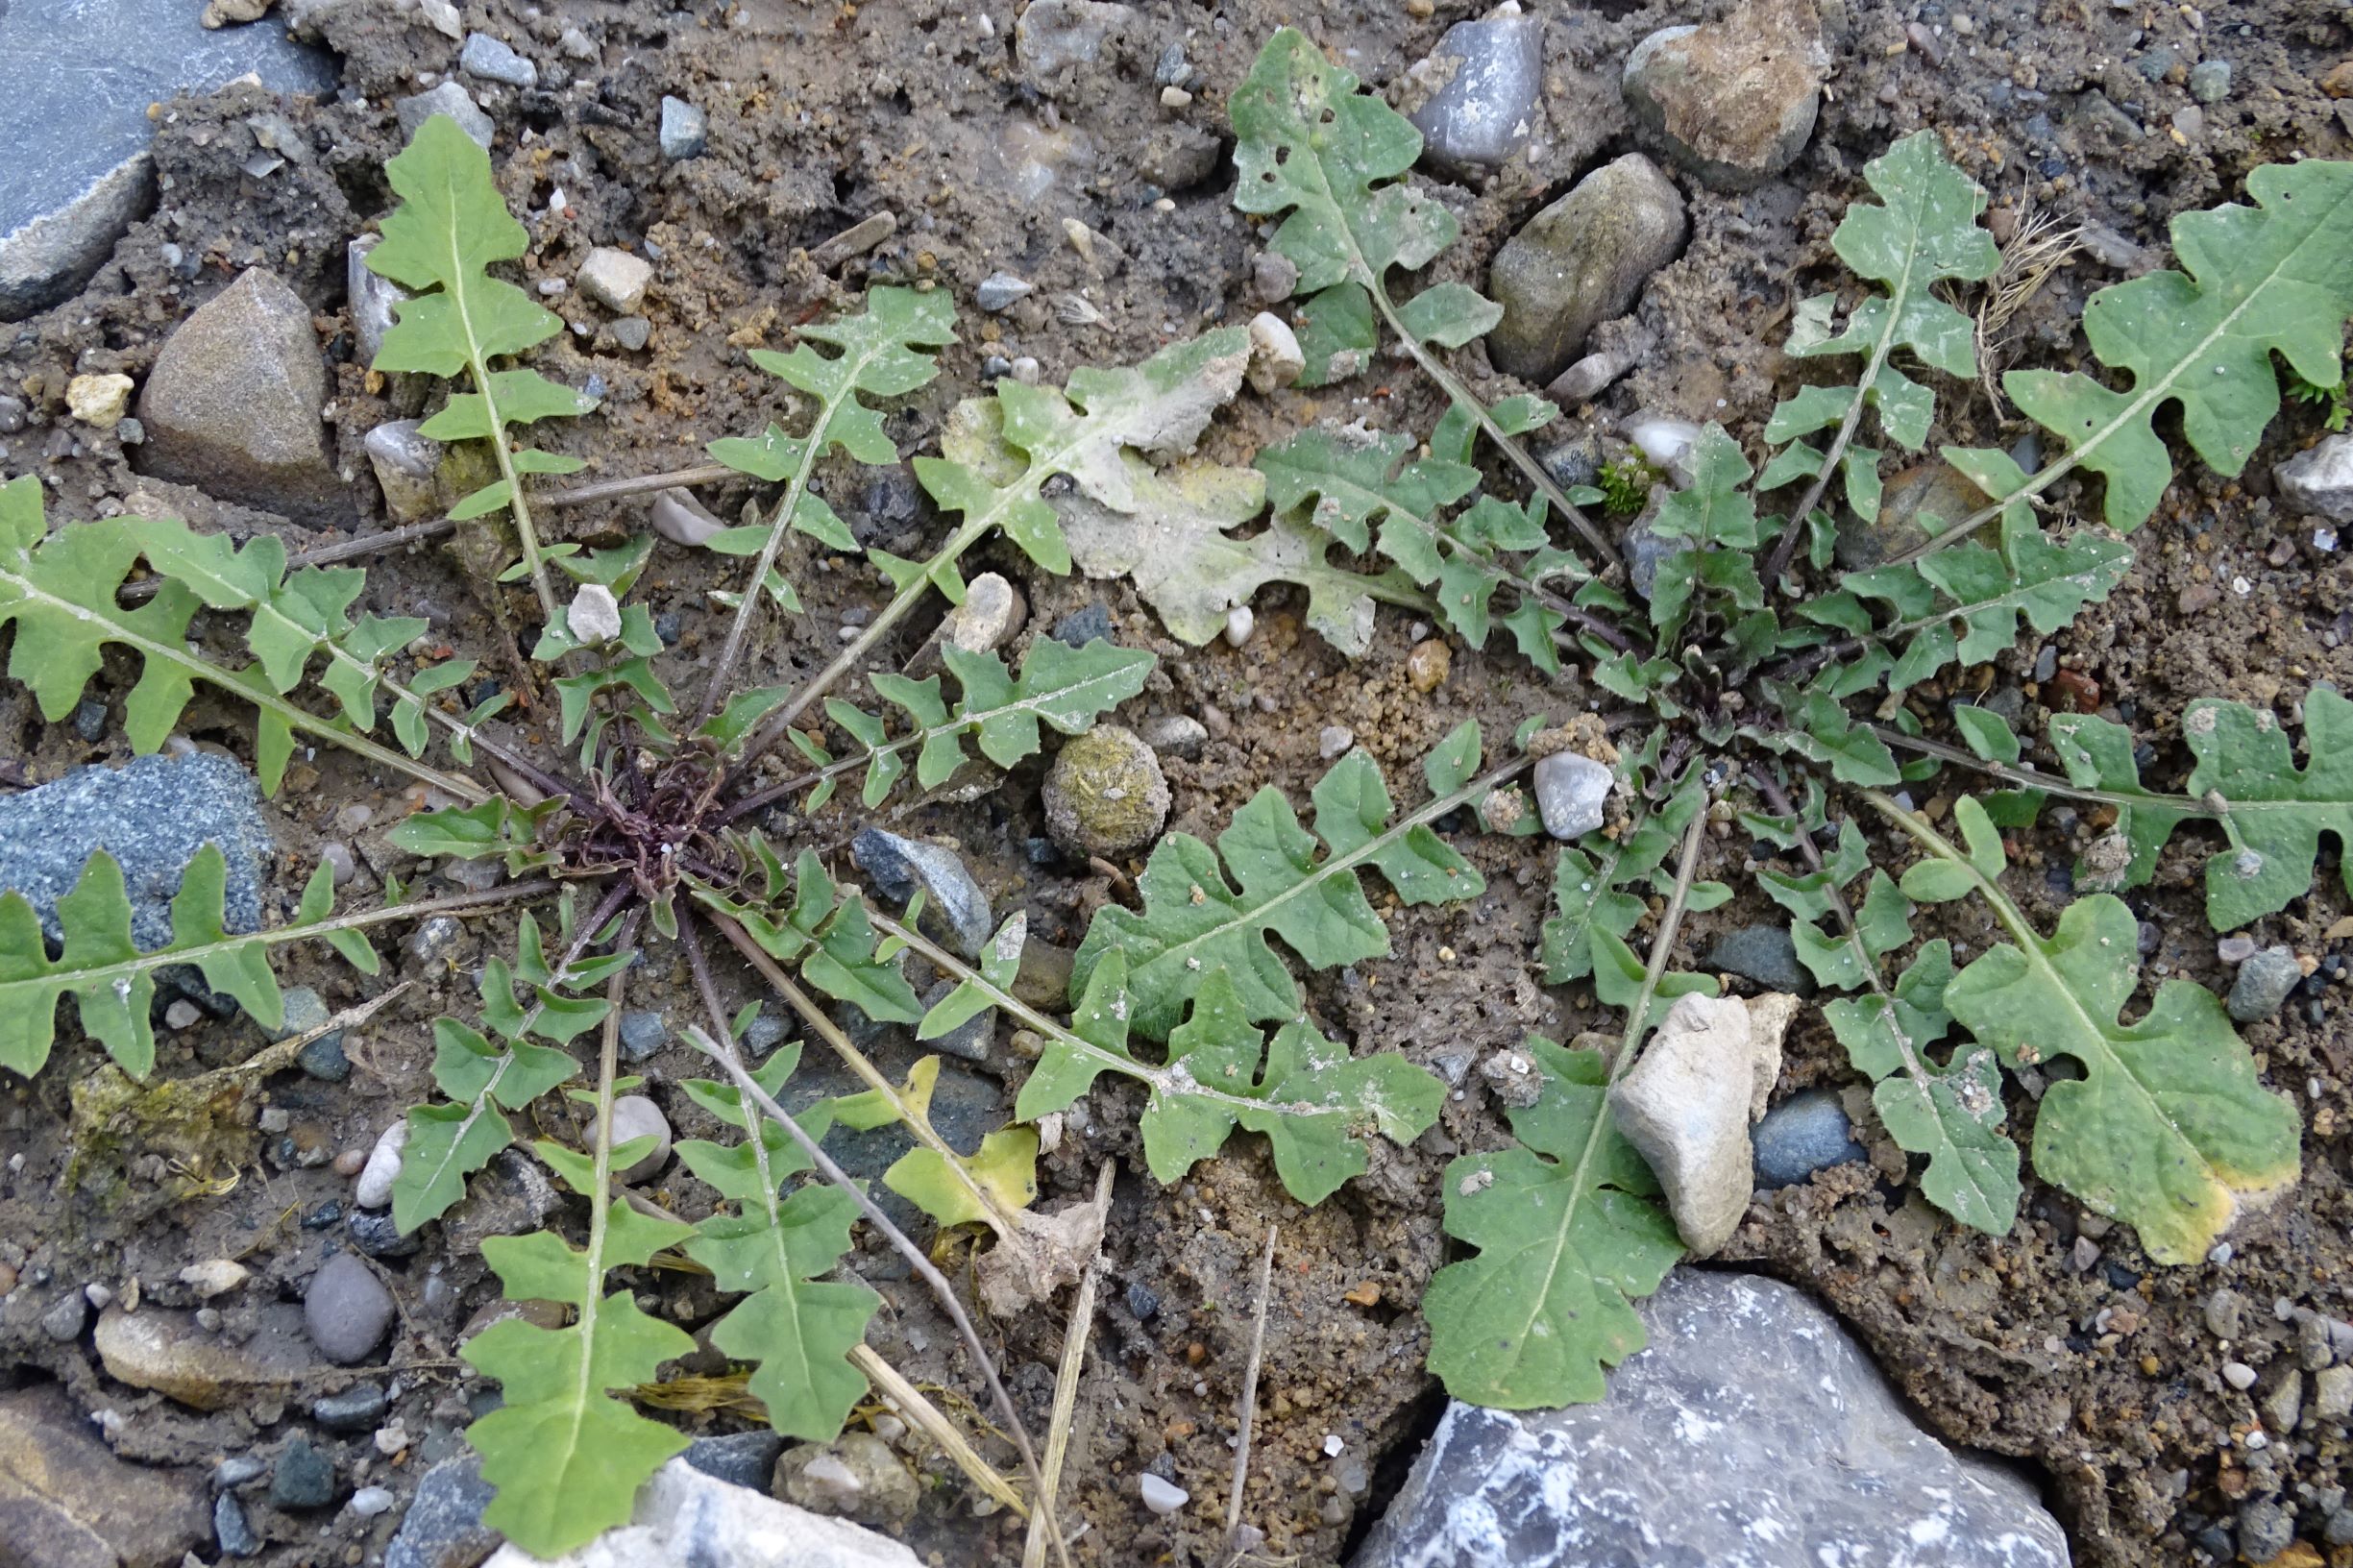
(1753, 1433)
(1684, 1104)
(684, 1516)
(1572, 791)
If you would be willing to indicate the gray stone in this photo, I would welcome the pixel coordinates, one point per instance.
(900, 866)
(64, 1321)
(685, 130)
(304, 1477)
(2264, 984)
(232, 405)
(1751, 1432)
(744, 1458)
(1804, 1134)
(1084, 625)
(1572, 791)
(642, 1034)
(684, 1516)
(307, 1010)
(631, 333)
(494, 60)
(2266, 1530)
(2319, 481)
(635, 1116)
(360, 1407)
(232, 1473)
(1646, 552)
(153, 815)
(346, 1310)
(407, 465)
(2210, 81)
(1734, 100)
(511, 1196)
(443, 1526)
(1178, 155)
(766, 1033)
(1684, 1104)
(1580, 262)
(76, 80)
(1000, 290)
(232, 1530)
(971, 1040)
(1052, 34)
(1762, 953)
(855, 1475)
(450, 99)
(1485, 85)
(67, 1501)
(376, 1232)
(371, 299)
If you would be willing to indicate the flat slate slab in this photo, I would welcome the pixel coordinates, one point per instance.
(76, 76)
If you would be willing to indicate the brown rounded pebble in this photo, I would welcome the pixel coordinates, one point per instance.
(350, 1162)
(1426, 665)
(8, 1278)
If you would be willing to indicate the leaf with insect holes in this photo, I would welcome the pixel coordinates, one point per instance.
(998, 453)
(1570, 1233)
(1925, 232)
(2169, 1129)
(59, 590)
(1311, 145)
(797, 1330)
(879, 353)
(1195, 922)
(563, 1455)
(484, 1076)
(2274, 278)
(439, 243)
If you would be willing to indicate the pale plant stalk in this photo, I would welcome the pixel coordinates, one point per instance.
(1066, 1376)
(1246, 1408)
(517, 506)
(732, 1063)
(932, 1422)
(1006, 1225)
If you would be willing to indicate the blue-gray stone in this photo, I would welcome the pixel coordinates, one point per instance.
(323, 1058)
(153, 815)
(642, 1034)
(374, 1233)
(685, 130)
(1084, 625)
(360, 1408)
(1753, 1429)
(1646, 553)
(1762, 953)
(2210, 81)
(346, 1310)
(443, 1527)
(764, 1034)
(1485, 80)
(2264, 984)
(450, 99)
(494, 60)
(90, 720)
(231, 1529)
(1000, 290)
(899, 865)
(1802, 1134)
(1142, 1300)
(747, 1459)
(971, 1040)
(76, 78)
(305, 1479)
(237, 1471)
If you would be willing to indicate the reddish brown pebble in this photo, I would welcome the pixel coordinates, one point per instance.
(1367, 1295)
(350, 1162)
(2071, 691)
(1426, 665)
(2338, 82)
(1196, 1353)
(8, 1278)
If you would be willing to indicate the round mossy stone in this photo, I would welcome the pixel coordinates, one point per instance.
(1104, 794)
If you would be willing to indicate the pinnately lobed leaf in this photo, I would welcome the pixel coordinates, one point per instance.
(2276, 277)
(1194, 921)
(2168, 1129)
(1569, 1233)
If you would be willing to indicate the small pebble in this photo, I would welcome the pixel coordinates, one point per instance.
(636, 1116)
(370, 1501)
(493, 61)
(1162, 1497)
(2235, 950)
(2238, 1375)
(383, 1168)
(685, 130)
(1572, 790)
(214, 1277)
(1333, 740)
(236, 1537)
(181, 1015)
(346, 1310)
(998, 291)
(1240, 622)
(1428, 664)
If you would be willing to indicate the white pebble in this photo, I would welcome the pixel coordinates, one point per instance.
(370, 1501)
(1240, 622)
(2238, 1375)
(214, 1277)
(1333, 1445)
(594, 616)
(1661, 440)
(383, 1169)
(1162, 1496)
(97, 1295)
(1275, 357)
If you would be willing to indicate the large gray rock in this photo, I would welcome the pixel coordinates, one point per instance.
(66, 1499)
(152, 814)
(1485, 85)
(1580, 262)
(76, 76)
(232, 405)
(684, 1516)
(2321, 480)
(443, 1526)
(1753, 1433)
(1734, 100)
